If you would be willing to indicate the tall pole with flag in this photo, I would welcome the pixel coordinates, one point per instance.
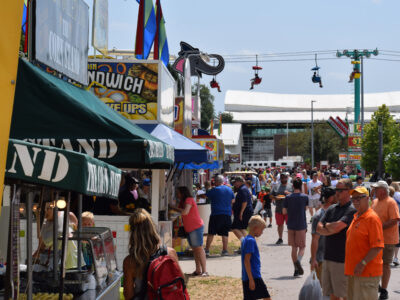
(161, 50)
(146, 29)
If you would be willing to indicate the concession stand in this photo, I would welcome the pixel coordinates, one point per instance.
(52, 112)
(32, 170)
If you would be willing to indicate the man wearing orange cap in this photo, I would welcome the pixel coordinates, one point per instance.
(364, 244)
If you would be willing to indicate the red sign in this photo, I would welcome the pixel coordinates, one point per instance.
(354, 142)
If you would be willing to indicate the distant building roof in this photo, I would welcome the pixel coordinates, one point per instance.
(255, 107)
(231, 133)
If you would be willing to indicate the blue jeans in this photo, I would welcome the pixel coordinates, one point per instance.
(195, 237)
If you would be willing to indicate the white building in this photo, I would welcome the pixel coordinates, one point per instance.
(232, 137)
(264, 115)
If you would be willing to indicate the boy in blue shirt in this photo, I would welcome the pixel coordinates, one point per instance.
(253, 284)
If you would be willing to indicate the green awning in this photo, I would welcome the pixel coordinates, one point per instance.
(52, 112)
(61, 169)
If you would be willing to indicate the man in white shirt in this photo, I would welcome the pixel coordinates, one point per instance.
(314, 194)
(334, 180)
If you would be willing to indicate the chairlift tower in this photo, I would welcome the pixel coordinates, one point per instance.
(356, 56)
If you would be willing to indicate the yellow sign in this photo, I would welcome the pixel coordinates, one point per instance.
(10, 35)
(130, 88)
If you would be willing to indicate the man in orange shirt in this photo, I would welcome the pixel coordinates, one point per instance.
(387, 210)
(364, 244)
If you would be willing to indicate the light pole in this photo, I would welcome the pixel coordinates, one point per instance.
(312, 133)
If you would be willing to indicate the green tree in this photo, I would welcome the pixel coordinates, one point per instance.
(226, 118)
(370, 141)
(327, 144)
(207, 105)
(392, 161)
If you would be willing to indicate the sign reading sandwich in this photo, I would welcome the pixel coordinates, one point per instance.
(130, 88)
(62, 37)
(62, 169)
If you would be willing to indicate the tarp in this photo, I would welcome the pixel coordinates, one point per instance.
(186, 151)
(205, 166)
(52, 112)
(61, 169)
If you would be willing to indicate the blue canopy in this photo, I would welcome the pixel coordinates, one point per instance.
(186, 151)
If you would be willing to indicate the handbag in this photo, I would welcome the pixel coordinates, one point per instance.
(182, 233)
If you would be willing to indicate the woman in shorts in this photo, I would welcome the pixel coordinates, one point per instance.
(194, 228)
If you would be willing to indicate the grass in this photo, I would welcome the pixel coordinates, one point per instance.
(216, 246)
(215, 288)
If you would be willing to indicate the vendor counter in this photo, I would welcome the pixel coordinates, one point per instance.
(204, 212)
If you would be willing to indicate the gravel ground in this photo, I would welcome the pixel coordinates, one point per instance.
(276, 266)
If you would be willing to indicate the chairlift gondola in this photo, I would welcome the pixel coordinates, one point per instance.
(214, 83)
(256, 80)
(316, 78)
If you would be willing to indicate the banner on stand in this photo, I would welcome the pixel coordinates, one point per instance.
(130, 88)
(62, 37)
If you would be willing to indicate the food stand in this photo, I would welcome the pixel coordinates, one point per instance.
(33, 166)
(50, 111)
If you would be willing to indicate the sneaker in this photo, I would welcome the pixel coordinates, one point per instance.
(224, 253)
(207, 252)
(238, 251)
(296, 273)
(396, 261)
(279, 241)
(384, 294)
(299, 268)
(270, 225)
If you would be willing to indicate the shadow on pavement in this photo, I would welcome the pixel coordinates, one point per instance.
(285, 278)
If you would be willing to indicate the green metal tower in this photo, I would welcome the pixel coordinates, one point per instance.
(356, 75)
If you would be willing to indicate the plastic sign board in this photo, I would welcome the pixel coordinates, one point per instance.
(354, 142)
(338, 128)
(62, 37)
(355, 157)
(130, 88)
(233, 158)
(178, 114)
(342, 156)
(100, 26)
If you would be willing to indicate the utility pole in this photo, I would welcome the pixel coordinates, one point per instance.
(356, 56)
(380, 158)
(312, 133)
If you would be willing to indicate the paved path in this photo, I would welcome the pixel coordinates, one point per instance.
(276, 266)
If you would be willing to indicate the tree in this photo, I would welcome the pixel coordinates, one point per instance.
(370, 141)
(392, 161)
(327, 144)
(226, 118)
(207, 105)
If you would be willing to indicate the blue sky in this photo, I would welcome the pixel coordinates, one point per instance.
(263, 26)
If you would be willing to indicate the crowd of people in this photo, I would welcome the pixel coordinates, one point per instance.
(354, 228)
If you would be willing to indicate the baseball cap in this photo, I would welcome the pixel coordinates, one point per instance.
(380, 184)
(131, 179)
(146, 182)
(360, 190)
